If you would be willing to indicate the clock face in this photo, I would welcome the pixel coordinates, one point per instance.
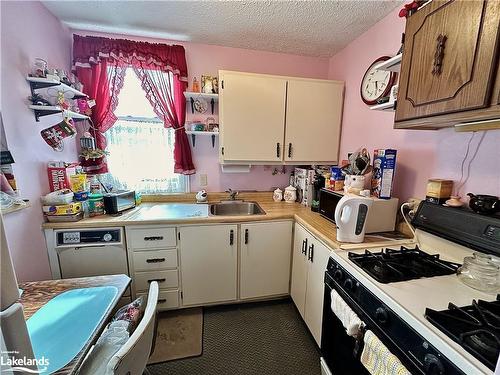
(376, 83)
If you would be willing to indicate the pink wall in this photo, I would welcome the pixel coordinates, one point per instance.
(421, 154)
(46, 38)
(208, 59)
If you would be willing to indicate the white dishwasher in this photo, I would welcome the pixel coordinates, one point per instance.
(91, 252)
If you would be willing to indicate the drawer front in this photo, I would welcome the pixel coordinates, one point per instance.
(165, 279)
(155, 260)
(151, 238)
(167, 299)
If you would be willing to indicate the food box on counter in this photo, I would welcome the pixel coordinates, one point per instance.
(384, 165)
(65, 209)
(58, 173)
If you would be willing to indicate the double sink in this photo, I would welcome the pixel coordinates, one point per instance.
(235, 208)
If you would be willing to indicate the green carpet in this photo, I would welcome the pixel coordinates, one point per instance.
(250, 339)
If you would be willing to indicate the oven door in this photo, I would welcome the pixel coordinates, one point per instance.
(341, 352)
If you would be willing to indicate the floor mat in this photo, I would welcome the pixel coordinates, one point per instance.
(250, 339)
(179, 335)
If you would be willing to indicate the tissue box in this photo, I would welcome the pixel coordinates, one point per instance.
(384, 166)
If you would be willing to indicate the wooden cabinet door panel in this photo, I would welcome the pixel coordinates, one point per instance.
(313, 119)
(299, 269)
(208, 263)
(252, 115)
(265, 259)
(319, 255)
(449, 58)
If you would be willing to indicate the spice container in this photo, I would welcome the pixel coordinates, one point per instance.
(96, 205)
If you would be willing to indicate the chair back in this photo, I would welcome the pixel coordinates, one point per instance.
(132, 357)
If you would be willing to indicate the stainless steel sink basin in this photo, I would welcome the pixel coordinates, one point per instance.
(236, 208)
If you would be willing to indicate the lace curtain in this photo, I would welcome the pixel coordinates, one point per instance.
(141, 158)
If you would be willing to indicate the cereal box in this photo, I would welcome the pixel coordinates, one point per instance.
(384, 165)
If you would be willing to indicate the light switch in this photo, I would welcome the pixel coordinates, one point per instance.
(203, 180)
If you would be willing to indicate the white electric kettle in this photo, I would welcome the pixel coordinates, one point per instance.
(350, 216)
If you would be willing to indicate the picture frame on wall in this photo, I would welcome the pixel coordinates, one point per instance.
(209, 84)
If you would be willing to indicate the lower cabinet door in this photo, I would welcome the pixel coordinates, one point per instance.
(317, 257)
(208, 257)
(265, 259)
(299, 268)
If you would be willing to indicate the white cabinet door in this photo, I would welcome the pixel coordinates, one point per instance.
(208, 256)
(317, 255)
(265, 259)
(313, 119)
(299, 268)
(252, 117)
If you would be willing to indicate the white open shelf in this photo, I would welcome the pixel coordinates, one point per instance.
(389, 106)
(45, 110)
(194, 95)
(392, 65)
(41, 83)
(193, 132)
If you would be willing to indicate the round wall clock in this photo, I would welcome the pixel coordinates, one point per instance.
(376, 83)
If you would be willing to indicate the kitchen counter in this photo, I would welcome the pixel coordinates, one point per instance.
(37, 293)
(314, 222)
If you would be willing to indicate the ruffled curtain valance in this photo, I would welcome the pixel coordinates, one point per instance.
(90, 50)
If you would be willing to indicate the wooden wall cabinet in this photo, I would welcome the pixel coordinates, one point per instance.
(267, 119)
(450, 65)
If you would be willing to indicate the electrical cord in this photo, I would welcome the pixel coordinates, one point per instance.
(406, 204)
(462, 184)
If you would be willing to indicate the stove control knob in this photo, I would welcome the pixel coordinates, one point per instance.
(348, 284)
(433, 365)
(382, 315)
(338, 275)
(107, 237)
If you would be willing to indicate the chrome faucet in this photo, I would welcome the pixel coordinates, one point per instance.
(232, 194)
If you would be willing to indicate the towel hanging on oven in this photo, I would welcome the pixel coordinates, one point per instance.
(378, 360)
(351, 322)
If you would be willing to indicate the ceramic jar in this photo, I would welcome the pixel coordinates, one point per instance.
(354, 183)
(290, 194)
(278, 195)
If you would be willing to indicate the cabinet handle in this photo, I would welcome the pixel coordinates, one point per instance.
(155, 260)
(310, 256)
(153, 238)
(162, 300)
(439, 55)
(157, 280)
(278, 151)
(290, 150)
(231, 237)
(304, 246)
(246, 236)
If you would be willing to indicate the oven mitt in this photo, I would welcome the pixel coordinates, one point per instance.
(54, 135)
(378, 360)
(351, 322)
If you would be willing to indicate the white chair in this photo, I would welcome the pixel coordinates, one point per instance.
(131, 358)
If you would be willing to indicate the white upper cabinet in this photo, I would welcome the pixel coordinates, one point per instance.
(313, 118)
(252, 117)
(273, 119)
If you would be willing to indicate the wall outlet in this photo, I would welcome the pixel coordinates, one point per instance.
(203, 180)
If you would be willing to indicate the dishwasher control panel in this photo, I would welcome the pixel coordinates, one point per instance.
(88, 237)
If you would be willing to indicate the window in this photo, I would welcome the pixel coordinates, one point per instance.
(141, 149)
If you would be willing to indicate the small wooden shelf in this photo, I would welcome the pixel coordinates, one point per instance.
(37, 83)
(392, 65)
(46, 110)
(195, 133)
(389, 107)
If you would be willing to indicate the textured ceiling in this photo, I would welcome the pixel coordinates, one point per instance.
(314, 28)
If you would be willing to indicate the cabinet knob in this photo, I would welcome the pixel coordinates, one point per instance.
(278, 150)
(290, 150)
(246, 236)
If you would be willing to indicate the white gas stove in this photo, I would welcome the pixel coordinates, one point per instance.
(410, 289)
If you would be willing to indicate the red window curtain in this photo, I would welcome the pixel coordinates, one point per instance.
(100, 62)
